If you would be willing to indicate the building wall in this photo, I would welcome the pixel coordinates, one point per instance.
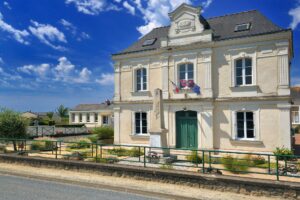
(92, 122)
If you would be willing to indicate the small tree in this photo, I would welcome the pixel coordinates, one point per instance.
(62, 111)
(50, 115)
(12, 125)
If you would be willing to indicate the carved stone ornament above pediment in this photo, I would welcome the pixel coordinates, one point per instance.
(185, 25)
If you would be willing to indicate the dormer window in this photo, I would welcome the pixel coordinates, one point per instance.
(149, 42)
(242, 27)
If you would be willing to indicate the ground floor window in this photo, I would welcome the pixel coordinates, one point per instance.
(141, 123)
(96, 117)
(245, 125)
(105, 120)
(88, 117)
(80, 117)
(73, 117)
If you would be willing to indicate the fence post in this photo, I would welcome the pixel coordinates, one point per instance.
(56, 148)
(101, 151)
(92, 149)
(144, 156)
(139, 154)
(96, 152)
(277, 171)
(269, 164)
(203, 163)
(209, 159)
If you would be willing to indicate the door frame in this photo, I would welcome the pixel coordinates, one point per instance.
(197, 135)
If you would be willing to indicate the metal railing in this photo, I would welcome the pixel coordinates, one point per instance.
(196, 160)
(36, 131)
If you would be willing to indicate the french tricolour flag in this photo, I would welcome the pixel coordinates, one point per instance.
(176, 88)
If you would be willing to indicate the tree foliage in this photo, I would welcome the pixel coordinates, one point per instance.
(62, 111)
(50, 115)
(12, 124)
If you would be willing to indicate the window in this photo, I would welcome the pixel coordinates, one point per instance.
(80, 117)
(141, 79)
(88, 117)
(243, 71)
(96, 117)
(242, 27)
(245, 125)
(149, 42)
(186, 75)
(104, 120)
(141, 123)
(73, 117)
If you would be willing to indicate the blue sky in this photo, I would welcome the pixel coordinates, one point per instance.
(56, 52)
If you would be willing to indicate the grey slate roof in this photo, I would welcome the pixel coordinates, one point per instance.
(92, 107)
(223, 28)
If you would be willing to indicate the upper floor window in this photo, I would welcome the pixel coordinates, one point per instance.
(140, 123)
(186, 75)
(141, 79)
(245, 125)
(243, 71)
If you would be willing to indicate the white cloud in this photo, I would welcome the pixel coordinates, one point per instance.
(129, 7)
(92, 7)
(40, 70)
(206, 4)
(18, 35)
(74, 30)
(106, 79)
(48, 34)
(1, 61)
(64, 70)
(6, 4)
(9, 76)
(155, 14)
(84, 75)
(295, 13)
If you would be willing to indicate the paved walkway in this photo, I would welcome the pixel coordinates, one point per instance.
(123, 184)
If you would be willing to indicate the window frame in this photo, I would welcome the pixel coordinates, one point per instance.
(103, 121)
(243, 75)
(140, 123)
(80, 117)
(245, 128)
(73, 117)
(142, 81)
(88, 117)
(186, 74)
(96, 117)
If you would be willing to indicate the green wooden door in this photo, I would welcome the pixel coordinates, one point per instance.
(186, 129)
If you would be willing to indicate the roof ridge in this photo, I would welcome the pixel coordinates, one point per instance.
(254, 10)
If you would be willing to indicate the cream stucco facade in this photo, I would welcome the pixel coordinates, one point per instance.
(267, 97)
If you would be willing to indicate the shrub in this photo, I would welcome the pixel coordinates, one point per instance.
(104, 132)
(194, 157)
(42, 145)
(258, 160)
(235, 165)
(81, 144)
(93, 138)
(136, 152)
(119, 152)
(284, 153)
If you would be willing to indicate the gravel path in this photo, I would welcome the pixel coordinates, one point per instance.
(125, 183)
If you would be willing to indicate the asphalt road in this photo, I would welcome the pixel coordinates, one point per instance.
(16, 188)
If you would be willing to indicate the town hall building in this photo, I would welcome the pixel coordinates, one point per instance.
(225, 82)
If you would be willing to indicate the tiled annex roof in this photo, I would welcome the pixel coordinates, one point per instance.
(92, 107)
(223, 28)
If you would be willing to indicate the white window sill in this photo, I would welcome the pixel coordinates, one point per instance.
(245, 90)
(246, 141)
(140, 135)
(141, 93)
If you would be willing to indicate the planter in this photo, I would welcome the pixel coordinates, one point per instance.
(106, 141)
